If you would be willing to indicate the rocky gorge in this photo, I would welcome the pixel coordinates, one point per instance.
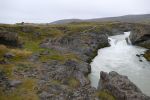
(52, 62)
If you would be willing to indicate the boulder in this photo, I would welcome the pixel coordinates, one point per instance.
(44, 95)
(120, 87)
(9, 55)
(3, 80)
(14, 83)
(9, 38)
(4, 61)
(140, 35)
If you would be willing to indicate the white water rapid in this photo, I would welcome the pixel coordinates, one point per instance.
(122, 58)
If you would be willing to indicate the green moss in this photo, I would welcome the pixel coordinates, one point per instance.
(145, 45)
(20, 54)
(60, 57)
(104, 95)
(55, 82)
(26, 91)
(32, 46)
(3, 50)
(55, 33)
(74, 83)
(147, 55)
(53, 57)
(7, 69)
(24, 66)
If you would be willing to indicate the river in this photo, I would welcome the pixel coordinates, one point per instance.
(122, 57)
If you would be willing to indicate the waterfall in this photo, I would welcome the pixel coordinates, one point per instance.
(121, 57)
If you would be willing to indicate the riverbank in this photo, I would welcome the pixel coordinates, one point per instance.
(52, 61)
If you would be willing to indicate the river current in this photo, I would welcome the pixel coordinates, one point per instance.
(123, 58)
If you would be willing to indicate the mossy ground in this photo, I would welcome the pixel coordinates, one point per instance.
(104, 95)
(25, 91)
(31, 36)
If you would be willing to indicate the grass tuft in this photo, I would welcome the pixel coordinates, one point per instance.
(104, 95)
(74, 83)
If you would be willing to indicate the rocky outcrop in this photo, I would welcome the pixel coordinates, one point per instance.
(62, 80)
(85, 44)
(7, 84)
(140, 35)
(120, 87)
(9, 55)
(62, 72)
(9, 38)
(63, 92)
(3, 80)
(14, 83)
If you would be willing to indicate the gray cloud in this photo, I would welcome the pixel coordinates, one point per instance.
(43, 11)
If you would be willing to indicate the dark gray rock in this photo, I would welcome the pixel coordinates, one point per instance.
(140, 35)
(9, 55)
(54, 70)
(3, 80)
(34, 57)
(137, 55)
(4, 61)
(85, 44)
(9, 38)
(84, 67)
(120, 87)
(44, 95)
(14, 83)
(37, 34)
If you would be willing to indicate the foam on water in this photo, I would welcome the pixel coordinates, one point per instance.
(121, 57)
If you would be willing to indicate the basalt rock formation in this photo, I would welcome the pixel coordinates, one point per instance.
(120, 87)
(84, 44)
(140, 35)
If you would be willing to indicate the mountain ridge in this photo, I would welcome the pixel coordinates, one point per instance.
(144, 18)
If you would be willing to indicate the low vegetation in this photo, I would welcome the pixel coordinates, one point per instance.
(147, 55)
(26, 91)
(104, 95)
(74, 83)
(31, 36)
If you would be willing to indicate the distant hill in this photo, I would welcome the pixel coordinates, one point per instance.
(64, 21)
(145, 18)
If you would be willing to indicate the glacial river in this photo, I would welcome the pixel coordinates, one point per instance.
(122, 57)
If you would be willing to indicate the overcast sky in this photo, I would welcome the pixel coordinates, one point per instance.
(44, 11)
